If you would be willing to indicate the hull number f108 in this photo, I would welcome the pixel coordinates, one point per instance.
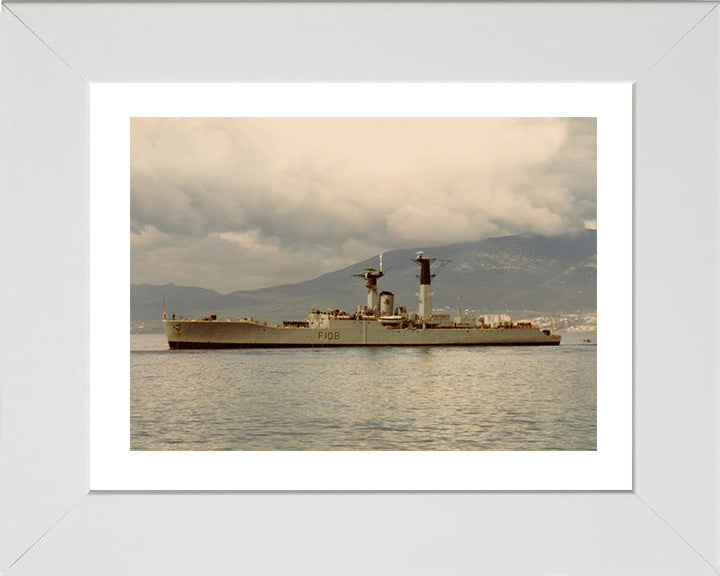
(326, 335)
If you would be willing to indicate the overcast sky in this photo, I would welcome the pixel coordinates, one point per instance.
(244, 203)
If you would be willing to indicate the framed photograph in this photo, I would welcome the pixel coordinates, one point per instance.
(638, 498)
(294, 155)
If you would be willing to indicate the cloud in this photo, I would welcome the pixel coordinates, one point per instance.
(243, 203)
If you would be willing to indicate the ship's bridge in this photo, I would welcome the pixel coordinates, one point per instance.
(321, 318)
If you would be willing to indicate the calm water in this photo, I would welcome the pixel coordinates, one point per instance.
(525, 398)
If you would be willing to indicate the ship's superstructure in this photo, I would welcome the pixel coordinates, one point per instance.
(376, 323)
(371, 277)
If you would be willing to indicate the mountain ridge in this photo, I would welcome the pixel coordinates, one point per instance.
(518, 274)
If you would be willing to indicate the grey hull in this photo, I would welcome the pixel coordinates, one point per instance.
(218, 334)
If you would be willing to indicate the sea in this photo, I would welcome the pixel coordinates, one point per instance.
(430, 398)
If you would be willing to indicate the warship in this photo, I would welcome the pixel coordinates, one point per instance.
(376, 323)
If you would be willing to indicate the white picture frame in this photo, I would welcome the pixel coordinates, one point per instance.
(667, 524)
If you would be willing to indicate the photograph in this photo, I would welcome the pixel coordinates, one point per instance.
(363, 284)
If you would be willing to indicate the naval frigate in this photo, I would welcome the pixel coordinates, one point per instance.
(376, 323)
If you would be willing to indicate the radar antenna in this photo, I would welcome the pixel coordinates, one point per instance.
(371, 276)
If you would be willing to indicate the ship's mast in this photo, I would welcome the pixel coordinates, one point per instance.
(371, 277)
(425, 294)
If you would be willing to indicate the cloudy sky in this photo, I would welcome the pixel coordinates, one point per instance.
(244, 203)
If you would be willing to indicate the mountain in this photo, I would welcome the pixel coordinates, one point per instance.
(518, 275)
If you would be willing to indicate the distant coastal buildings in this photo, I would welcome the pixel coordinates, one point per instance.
(579, 322)
(495, 319)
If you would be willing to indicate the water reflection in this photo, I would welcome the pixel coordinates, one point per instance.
(364, 398)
